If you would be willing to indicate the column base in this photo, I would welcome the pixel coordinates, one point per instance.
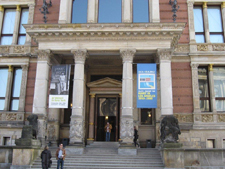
(74, 149)
(127, 149)
(90, 141)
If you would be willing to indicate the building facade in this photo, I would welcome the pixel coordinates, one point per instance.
(103, 43)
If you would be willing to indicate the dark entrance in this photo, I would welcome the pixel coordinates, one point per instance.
(107, 111)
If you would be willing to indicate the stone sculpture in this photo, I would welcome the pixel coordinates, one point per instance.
(169, 130)
(33, 121)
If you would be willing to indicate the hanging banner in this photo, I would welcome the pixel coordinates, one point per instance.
(59, 86)
(146, 86)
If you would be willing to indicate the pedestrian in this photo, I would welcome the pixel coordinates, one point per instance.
(46, 158)
(60, 156)
(108, 128)
(135, 136)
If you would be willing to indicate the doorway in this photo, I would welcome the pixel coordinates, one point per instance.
(107, 111)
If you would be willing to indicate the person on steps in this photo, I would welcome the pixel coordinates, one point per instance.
(60, 156)
(46, 158)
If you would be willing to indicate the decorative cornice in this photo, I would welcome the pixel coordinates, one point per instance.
(18, 8)
(204, 5)
(210, 67)
(127, 54)
(1, 8)
(80, 55)
(164, 54)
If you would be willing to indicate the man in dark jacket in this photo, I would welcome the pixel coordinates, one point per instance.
(135, 136)
(45, 158)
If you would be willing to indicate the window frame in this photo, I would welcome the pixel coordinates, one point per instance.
(200, 33)
(72, 14)
(6, 87)
(133, 13)
(19, 34)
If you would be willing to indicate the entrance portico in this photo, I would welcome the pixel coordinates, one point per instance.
(131, 41)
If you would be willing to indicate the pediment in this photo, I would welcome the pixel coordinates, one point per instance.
(105, 83)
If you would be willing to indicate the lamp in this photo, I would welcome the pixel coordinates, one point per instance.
(44, 9)
(106, 117)
(149, 114)
(174, 9)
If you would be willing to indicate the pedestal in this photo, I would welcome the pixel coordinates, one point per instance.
(126, 149)
(74, 149)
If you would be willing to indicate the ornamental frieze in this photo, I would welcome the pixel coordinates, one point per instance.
(76, 130)
(182, 49)
(7, 116)
(221, 117)
(219, 47)
(127, 129)
(207, 118)
(203, 47)
(184, 118)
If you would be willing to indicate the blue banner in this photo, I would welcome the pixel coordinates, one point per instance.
(146, 86)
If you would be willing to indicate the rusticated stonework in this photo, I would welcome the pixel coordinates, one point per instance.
(127, 54)
(184, 118)
(207, 118)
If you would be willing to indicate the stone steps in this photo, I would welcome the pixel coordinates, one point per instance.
(105, 155)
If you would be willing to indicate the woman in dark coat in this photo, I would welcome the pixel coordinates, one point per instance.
(135, 136)
(45, 158)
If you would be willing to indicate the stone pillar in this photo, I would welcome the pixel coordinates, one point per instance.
(92, 13)
(127, 11)
(211, 87)
(206, 23)
(1, 17)
(194, 69)
(191, 21)
(223, 17)
(126, 130)
(8, 88)
(65, 11)
(30, 21)
(91, 118)
(23, 88)
(17, 25)
(41, 92)
(154, 12)
(77, 118)
(166, 81)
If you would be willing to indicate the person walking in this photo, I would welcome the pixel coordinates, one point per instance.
(46, 158)
(108, 128)
(60, 156)
(135, 136)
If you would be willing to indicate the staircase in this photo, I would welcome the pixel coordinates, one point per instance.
(105, 155)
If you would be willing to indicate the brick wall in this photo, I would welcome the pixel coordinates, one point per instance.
(182, 87)
(53, 15)
(182, 16)
(30, 87)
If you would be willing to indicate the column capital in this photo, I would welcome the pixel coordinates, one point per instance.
(24, 67)
(30, 5)
(92, 95)
(204, 5)
(120, 94)
(1, 8)
(194, 65)
(164, 54)
(10, 68)
(44, 55)
(190, 3)
(223, 5)
(18, 8)
(127, 54)
(210, 67)
(80, 55)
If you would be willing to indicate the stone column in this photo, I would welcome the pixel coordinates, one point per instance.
(206, 23)
(126, 123)
(77, 118)
(91, 118)
(165, 81)
(30, 21)
(17, 25)
(92, 13)
(41, 92)
(154, 12)
(196, 103)
(1, 17)
(191, 21)
(127, 11)
(211, 87)
(65, 11)
(8, 88)
(23, 88)
(223, 17)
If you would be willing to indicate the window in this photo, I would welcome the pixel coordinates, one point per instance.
(79, 14)
(16, 89)
(203, 89)
(223, 143)
(219, 87)
(210, 143)
(199, 28)
(6, 141)
(3, 85)
(110, 11)
(140, 11)
(214, 23)
(9, 24)
(22, 31)
(146, 116)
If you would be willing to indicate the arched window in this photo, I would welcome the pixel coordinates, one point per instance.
(140, 11)
(79, 14)
(110, 11)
